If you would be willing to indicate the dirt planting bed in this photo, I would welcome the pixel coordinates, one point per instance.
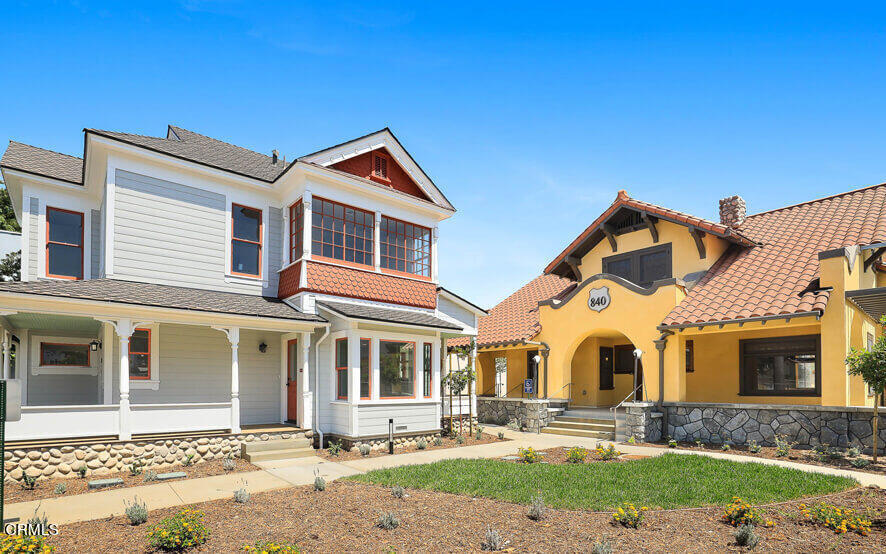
(447, 442)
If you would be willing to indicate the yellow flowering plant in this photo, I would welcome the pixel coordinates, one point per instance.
(182, 531)
(576, 455)
(270, 547)
(840, 520)
(739, 512)
(608, 452)
(16, 544)
(529, 455)
(629, 515)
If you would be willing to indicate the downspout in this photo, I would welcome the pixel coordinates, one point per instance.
(316, 418)
(544, 354)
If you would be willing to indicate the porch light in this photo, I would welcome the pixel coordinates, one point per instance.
(638, 353)
(263, 347)
(94, 345)
(536, 359)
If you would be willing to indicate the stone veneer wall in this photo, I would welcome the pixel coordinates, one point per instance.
(808, 426)
(642, 420)
(103, 458)
(529, 413)
(382, 443)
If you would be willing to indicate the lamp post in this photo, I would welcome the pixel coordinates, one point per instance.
(637, 355)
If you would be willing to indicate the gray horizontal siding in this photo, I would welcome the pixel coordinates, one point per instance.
(33, 239)
(95, 262)
(275, 249)
(373, 420)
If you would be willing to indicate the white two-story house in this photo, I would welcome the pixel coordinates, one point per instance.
(181, 284)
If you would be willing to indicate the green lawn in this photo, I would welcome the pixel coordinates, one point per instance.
(667, 481)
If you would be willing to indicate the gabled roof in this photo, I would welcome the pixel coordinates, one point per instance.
(594, 232)
(42, 162)
(778, 277)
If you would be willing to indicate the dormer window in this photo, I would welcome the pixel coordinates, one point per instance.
(380, 167)
(246, 241)
(64, 244)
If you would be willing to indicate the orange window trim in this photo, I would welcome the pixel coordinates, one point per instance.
(261, 232)
(296, 231)
(148, 353)
(395, 258)
(369, 368)
(371, 241)
(396, 273)
(339, 368)
(414, 380)
(336, 261)
(88, 354)
(80, 246)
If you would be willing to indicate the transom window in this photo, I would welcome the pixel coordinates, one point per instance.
(405, 247)
(296, 230)
(140, 354)
(246, 241)
(641, 267)
(63, 354)
(784, 366)
(397, 368)
(342, 232)
(341, 369)
(64, 244)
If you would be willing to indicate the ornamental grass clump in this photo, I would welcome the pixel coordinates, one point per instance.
(387, 521)
(493, 541)
(629, 515)
(783, 446)
(438, 441)
(529, 455)
(608, 452)
(501, 436)
(421, 444)
(29, 482)
(364, 449)
(739, 512)
(603, 546)
(149, 476)
(537, 510)
(229, 464)
(20, 544)
(136, 511)
(60, 488)
(745, 536)
(398, 492)
(179, 532)
(839, 520)
(576, 455)
(459, 439)
(334, 448)
(270, 547)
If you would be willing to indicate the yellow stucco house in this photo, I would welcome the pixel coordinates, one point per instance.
(734, 330)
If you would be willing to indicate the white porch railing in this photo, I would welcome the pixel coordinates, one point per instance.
(52, 422)
(173, 418)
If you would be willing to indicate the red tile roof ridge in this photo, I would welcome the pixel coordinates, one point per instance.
(822, 199)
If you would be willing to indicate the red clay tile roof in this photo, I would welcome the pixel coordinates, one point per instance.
(623, 200)
(355, 283)
(515, 318)
(458, 341)
(771, 279)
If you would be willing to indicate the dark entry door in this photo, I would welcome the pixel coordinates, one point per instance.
(607, 381)
(532, 369)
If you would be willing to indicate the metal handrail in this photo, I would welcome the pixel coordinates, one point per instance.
(568, 396)
(617, 406)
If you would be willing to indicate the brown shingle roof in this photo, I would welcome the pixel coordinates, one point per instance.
(515, 318)
(773, 279)
(46, 163)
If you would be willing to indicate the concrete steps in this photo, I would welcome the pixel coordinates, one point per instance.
(281, 449)
(588, 423)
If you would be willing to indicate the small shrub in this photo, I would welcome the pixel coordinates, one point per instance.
(61, 488)
(537, 509)
(479, 434)
(739, 512)
(15, 544)
(334, 448)
(632, 440)
(269, 547)
(364, 449)
(38, 520)
(700, 443)
(860, 462)
(438, 441)
(319, 482)
(136, 511)
(576, 455)
(783, 446)
(398, 492)
(29, 482)
(672, 443)
(181, 531)
(754, 448)
(493, 541)
(135, 468)
(82, 471)
(629, 516)
(745, 536)
(725, 447)
(149, 476)
(459, 439)
(514, 425)
(603, 546)
(229, 464)
(421, 444)
(501, 436)
(607, 453)
(241, 495)
(529, 455)
(853, 452)
(479, 428)
(189, 460)
(839, 520)
(387, 521)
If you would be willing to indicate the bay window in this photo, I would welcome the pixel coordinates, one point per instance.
(64, 244)
(783, 366)
(342, 232)
(397, 369)
(246, 241)
(405, 247)
(341, 369)
(140, 354)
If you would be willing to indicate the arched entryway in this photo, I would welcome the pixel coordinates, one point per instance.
(602, 372)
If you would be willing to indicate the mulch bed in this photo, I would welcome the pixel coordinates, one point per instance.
(557, 456)
(448, 442)
(13, 492)
(796, 455)
(343, 518)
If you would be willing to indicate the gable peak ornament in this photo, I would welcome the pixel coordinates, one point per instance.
(598, 299)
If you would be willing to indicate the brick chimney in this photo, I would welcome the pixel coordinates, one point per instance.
(733, 211)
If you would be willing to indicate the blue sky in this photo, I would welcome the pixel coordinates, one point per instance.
(529, 116)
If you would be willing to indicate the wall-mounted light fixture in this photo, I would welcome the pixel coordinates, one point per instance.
(95, 345)
(262, 347)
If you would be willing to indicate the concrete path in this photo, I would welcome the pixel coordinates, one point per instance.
(281, 474)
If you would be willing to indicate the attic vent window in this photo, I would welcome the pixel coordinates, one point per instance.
(380, 167)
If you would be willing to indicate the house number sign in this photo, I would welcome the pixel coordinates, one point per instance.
(599, 299)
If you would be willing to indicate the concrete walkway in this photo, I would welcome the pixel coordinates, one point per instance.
(281, 474)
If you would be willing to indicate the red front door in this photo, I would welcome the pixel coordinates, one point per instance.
(292, 380)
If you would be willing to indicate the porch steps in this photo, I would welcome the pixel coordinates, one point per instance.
(281, 449)
(582, 423)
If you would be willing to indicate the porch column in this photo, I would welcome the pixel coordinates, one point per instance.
(306, 231)
(6, 351)
(305, 407)
(124, 328)
(233, 334)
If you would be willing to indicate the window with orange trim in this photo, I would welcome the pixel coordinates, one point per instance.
(365, 369)
(427, 368)
(342, 232)
(341, 369)
(296, 230)
(396, 361)
(405, 247)
(64, 244)
(246, 241)
(64, 354)
(140, 354)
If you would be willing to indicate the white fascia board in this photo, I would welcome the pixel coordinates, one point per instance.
(40, 180)
(16, 199)
(461, 302)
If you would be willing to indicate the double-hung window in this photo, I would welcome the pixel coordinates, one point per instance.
(140, 354)
(405, 247)
(396, 361)
(64, 244)
(246, 241)
(784, 366)
(341, 369)
(342, 232)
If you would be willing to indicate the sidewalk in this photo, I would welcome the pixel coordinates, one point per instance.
(282, 474)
